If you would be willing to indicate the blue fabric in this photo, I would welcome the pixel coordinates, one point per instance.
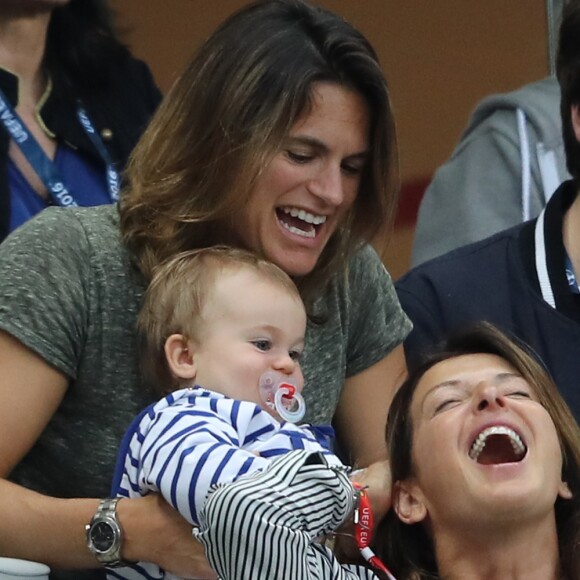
(84, 177)
(494, 280)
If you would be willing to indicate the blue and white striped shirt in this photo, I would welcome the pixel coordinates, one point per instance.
(193, 439)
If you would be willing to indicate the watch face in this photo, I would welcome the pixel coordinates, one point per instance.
(102, 536)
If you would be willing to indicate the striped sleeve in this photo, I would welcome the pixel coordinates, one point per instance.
(265, 525)
(188, 450)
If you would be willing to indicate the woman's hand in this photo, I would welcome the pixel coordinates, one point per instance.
(377, 479)
(155, 532)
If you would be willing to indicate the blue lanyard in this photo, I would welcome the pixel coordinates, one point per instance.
(42, 164)
(113, 180)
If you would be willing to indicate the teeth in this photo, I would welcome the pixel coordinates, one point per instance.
(306, 234)
(304, 215)
(479, 443)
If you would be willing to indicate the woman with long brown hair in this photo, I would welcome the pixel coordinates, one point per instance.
(277, 138)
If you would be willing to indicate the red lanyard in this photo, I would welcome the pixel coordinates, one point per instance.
(363, 529)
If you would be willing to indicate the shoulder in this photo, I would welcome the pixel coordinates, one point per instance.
(62, 284)
(364, 256)
(59, 237)
(366, 273)
(480, 281)
(364, 313)
(130, 97)
(133, 76)
(193, 409)
(466, 264)
(362, 285)
(539, 101)
(53, 227)
(543, 94)
(370, 286)
(132, 71)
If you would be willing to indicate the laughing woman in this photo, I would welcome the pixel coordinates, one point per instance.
(486, 459)
(277, 138)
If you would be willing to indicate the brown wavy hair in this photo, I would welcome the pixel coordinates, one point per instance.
(408, 549)
(225, 119)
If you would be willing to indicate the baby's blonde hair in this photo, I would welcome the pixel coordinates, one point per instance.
(175, 298)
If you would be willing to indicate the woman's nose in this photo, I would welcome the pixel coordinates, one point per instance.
(328, 185)
(488, 397)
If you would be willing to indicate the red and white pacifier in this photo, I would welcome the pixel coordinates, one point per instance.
(280, 395)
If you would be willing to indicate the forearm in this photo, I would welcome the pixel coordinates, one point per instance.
(45, 529)
(52, 531)
(361, 415)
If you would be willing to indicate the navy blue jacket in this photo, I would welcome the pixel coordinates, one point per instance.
(496, 280)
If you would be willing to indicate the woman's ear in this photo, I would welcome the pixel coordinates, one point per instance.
(407, 502)
(179, 356)
(575, 116)
(564, 491)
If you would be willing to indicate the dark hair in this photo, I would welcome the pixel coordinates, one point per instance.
(568, 73)
(226, 118)
(81, 47)
(408, 549)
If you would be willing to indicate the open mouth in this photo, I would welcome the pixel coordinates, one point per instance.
(299, 221)
(496, 445)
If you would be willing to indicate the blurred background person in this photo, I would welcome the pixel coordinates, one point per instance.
(73, 103)
(507, 164)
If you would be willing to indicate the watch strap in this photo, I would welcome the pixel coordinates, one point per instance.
(106, 514)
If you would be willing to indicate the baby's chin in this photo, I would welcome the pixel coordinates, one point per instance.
(270, 410)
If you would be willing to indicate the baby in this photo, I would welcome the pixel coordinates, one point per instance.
(222, 333)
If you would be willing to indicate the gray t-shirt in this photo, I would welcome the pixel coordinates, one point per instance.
(70, 293)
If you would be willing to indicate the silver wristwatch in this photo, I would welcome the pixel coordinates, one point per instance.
(104, 534)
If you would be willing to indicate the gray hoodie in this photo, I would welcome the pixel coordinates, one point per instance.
(508, 162)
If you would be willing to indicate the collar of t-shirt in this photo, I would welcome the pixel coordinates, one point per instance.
(548, 248)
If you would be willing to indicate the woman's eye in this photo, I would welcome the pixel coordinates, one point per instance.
(295, 355)
(352, 169)
(520, 394)
(298, 157)
(447, 404)
(262, 344)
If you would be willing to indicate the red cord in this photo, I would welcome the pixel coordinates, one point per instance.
(363, 529)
